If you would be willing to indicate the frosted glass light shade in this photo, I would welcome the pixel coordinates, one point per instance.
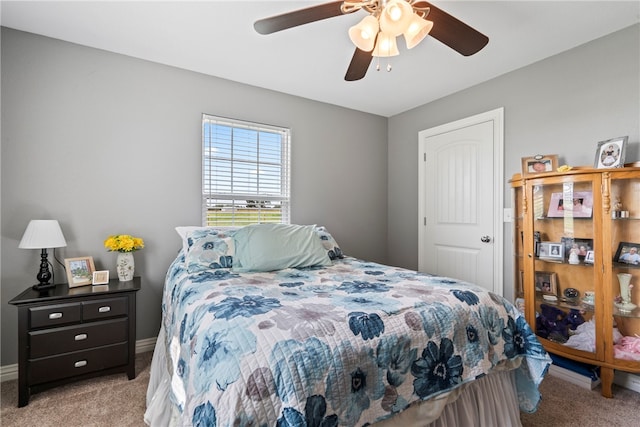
(416, 31)
(42, 234)
(385, 46)
(363, 35)
(395, 17)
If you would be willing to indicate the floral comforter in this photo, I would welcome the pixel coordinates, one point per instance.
(345, 345)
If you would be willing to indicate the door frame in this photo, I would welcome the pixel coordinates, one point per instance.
(497, 117)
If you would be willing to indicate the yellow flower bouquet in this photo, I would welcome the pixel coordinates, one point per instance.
(123, 243)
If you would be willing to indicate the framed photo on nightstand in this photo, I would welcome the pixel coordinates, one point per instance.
(79, 271)
(100, 277)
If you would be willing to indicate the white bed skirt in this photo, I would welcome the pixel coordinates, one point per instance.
(490, 401)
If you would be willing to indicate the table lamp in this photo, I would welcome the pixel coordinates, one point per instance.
(43, 234)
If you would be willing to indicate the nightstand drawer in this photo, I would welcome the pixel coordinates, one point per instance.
(53, 315)
(78, 363)
(67, 339)
(104, 308)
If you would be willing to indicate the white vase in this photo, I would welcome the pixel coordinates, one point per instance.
(125, 266)
(625, 293)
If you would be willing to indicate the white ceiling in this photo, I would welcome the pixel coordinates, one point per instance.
(217, 38)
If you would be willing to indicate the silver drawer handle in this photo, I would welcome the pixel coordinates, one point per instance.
(55, 316)
(80, 337)
(105, 309)
(80, 363)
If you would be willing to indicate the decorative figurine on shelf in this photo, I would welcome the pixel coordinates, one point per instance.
(573, 254)
(617, 206)
(589, 299)
(617, 209)
(571, 295)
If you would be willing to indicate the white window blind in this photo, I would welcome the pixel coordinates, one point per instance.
(245, 172)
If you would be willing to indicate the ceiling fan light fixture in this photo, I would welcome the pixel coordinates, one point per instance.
(363, 35)
(385, 46)
(395, 17)
(417, 30)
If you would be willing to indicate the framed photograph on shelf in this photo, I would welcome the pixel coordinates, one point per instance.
(553, 251)
(79, 271)
(576, 246)
(610, 153)
(578, 204)
(588, 259)
(539, 164)
(546, 283)
(627, 253)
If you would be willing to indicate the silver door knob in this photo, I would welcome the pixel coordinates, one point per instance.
(485, 239)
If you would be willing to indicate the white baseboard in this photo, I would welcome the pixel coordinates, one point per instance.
(627, 380)
(10, 372)
(147, 344)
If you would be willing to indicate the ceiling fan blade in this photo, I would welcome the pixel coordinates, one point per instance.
(358, 66)
(298, 17)
(453, 32)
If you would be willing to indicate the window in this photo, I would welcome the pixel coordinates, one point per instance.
(245, 172)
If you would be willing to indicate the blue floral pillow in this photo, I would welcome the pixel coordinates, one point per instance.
(329, 243)
(208, 249)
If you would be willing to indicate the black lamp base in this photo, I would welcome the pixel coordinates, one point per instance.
(43, 286)
(44, 275)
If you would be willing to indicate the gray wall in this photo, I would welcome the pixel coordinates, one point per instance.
(109, 144)
(562, 105)
(71, 114)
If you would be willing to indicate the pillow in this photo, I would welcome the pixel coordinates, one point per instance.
(268, 247)
(329, 243)
(198, 231)
(210, 252)
(207, 248)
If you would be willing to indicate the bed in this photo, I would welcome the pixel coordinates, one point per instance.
(272, 325)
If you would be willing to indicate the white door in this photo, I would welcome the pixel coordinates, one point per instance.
(460, 200)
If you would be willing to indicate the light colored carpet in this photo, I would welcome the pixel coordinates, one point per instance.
(568, 405)
(115, 401)
(111, 400)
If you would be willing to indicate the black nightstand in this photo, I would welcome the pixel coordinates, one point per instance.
(68, 334)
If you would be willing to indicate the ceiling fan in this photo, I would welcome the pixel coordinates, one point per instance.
(376, 34)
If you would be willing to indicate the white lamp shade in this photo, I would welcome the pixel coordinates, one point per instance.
(416, 31)
(385, 46)
(395, 17)
(363, 35)
(42, 234)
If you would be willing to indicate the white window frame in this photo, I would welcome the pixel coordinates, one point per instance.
(226, 199)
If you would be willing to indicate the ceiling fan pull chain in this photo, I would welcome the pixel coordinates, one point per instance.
(378, 63)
